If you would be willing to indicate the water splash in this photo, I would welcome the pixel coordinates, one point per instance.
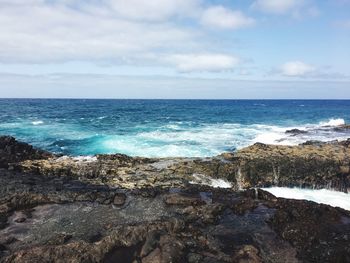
(323, 196)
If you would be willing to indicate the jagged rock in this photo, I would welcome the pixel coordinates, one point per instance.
(116, 208)
(295, 131)
(12, 151)
(247, 254)
(200, 224)
(321, 166)
(316, 165)
(183, 200)
(342, 128)
(317, 231)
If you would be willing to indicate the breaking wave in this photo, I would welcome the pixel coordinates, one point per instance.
(323, 196)
(170, 139)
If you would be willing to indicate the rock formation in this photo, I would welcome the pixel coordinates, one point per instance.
(115, 208)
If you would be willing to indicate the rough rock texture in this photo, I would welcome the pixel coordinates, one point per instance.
(316, 166)
(313, 164)
(60, 220)
(12, 151)
(115, 208)
(295, 132)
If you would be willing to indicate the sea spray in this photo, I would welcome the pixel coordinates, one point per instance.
(324, 196)
(169, 128)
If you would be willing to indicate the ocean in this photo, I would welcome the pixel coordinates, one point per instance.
(167, 128)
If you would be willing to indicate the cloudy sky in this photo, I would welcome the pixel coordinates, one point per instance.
(175, 48)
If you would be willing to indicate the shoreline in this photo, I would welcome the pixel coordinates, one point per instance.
(134, 209)
(313, 165)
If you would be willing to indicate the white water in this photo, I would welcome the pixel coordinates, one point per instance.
(206, 180)
(37, 122)
(333, 122)
(322, 196)
(174, 140)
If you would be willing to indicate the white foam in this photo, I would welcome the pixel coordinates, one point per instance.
(322, 196)
(277, 135)
(333, 122)
(37, 122)
(206, 180)
(185, 140)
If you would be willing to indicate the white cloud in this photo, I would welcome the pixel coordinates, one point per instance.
(46, 32)
(202, 62)
(153, 10)
(296, 69)
(134, 32)
(221, 17)
(277, 6)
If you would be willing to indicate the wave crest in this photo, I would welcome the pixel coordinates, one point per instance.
(333, 122)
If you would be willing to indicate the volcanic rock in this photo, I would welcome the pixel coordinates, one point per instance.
(129, 209)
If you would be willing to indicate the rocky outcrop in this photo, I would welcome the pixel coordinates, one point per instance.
(313, 165)
(324, 165)
(12, 151)
(116, 208)
(296, 132)
(63, 220)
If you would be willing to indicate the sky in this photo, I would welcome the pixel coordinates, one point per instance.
(205, 49)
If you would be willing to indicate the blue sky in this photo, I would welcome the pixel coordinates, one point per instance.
(175, 48)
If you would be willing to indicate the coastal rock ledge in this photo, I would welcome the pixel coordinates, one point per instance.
(116, 208)
(311, 165)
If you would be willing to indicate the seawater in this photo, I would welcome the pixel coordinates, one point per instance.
(159, 128)
(322, 196)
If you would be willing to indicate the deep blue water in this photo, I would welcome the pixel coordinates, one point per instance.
(166, 127)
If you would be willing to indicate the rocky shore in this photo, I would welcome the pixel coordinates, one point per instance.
(116, 208)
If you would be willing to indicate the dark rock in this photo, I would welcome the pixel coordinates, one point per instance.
(20, 220)
(313, 143)
(295, 132)
(342, 128)
(247, 254)
(12, 151)
(69, 217)
(183, 200)
(119, 199)
(317, 231)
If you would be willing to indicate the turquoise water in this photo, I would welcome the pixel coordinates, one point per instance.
(167, 127)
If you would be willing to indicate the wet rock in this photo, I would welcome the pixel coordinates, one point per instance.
(13, 151)
(162, 248)
(295, 132)
(20, 220)
(314, 143)
(342, 128)
(247, 254)
(194, 258)
(241, 206)
(312, 164)
(183, 200)
(64, 209)
(119, 199)
(317, 231)
(60, 239)
(308, 165)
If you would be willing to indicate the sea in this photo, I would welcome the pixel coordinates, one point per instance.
(168, 128)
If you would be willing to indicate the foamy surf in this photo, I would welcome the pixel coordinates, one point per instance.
(322, 196)
(323, 131)
(333, 122)
(213, 182)
(37, 122)
(176, 140)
